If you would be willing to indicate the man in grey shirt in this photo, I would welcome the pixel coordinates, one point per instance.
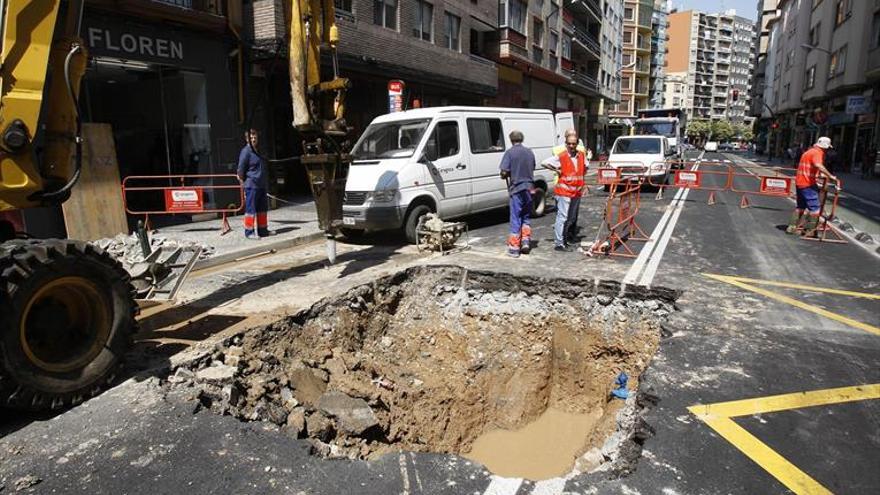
(518, 168)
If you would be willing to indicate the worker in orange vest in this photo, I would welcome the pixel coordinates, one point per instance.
(571, 165)
(812, 163)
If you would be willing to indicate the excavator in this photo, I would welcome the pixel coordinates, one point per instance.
(68, 310)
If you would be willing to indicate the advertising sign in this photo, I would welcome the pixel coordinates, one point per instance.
(858, 104)
(184, 199)
(395, 95)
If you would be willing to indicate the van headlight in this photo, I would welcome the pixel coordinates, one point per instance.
(383, 196)
(657, 166)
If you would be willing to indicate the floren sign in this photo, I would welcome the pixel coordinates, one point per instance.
(127, 43)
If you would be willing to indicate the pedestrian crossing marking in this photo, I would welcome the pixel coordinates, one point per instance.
(749, 284)
(719, 417)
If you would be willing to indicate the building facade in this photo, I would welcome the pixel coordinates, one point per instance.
(822, 67)
(636, 69)
(766, 12)
(659, 37)
(715, 52)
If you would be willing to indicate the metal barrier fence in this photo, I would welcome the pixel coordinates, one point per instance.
(183, 194)
(620, 220)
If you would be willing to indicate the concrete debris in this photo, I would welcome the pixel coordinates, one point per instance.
(127, 248)
(320, 426)
(354, 415)
(218, 373)
(25, 482)
(296, 422)
(308, 387)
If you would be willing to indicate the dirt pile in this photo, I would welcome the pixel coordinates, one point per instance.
(431, 358)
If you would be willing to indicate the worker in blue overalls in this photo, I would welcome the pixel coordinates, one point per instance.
(254, 174)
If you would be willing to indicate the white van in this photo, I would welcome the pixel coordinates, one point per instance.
(644, 156)
(443, 160)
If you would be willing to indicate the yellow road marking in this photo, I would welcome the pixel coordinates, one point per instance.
(810, 288)
(736, 281)
(718, 417)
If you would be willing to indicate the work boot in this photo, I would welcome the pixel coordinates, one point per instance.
(811, 225)
(563, 248)
(513, 252)
(525, 247)
(793, 223)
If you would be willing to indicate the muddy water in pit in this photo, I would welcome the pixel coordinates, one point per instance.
(544, 448)
(432, 359)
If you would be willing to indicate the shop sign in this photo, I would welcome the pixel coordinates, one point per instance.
(184, 199)
(125, 45)
(841, 118)
(395, 95)
(858, 104)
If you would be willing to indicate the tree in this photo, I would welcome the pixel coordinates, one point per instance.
(698, 128)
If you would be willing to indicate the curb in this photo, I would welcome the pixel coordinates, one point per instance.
(257, 248)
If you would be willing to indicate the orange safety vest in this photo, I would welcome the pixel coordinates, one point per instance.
(807, 171)
(571, 176)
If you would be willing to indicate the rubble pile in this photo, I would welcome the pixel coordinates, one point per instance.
(127, 248)
(427, 360)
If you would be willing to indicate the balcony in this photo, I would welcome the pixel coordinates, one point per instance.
(586, 7)
(644, 19)
(583, 81)
(587, 40)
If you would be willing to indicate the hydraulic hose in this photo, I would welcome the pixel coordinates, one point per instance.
(77, 137)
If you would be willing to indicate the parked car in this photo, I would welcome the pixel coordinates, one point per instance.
(711, 146)
(642, 156)
(443, 160)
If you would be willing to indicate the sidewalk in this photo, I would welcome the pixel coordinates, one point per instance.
(293, 224)
(859, 203)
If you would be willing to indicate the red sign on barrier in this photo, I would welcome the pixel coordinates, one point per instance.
(608, 175)
(687, 178)
(184, 199)
(780, 186)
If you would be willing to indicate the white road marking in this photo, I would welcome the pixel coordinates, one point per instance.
(654, 263)
(503, 486)
(553, 486)
(404, 473)
(652, 245)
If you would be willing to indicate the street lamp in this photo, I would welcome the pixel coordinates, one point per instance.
(806, 46)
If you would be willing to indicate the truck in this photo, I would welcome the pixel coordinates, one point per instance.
(668, 122)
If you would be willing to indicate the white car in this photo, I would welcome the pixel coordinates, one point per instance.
(711, 146)
(642, 156)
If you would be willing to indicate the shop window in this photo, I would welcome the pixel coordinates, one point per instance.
(452, 32)
(485, 135)
(385, 13)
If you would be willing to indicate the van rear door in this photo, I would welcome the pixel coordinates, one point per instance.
(564, 121)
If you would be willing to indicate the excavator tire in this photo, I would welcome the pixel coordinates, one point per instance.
(67, 316)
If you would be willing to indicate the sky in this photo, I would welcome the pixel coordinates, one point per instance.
(744, 8)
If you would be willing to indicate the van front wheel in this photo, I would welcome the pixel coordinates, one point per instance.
(410, 227)
(539, 202)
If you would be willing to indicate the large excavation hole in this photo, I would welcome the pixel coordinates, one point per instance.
(488, 366)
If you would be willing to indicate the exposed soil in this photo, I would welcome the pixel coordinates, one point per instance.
(431, 358)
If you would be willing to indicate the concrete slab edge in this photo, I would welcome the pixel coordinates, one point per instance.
(257, 248)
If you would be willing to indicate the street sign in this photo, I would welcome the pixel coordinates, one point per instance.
(395, 95)
(687, 178)
(608, 176)
(185, 199)
(858, 104)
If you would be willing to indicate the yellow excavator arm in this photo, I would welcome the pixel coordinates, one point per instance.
(30, 53)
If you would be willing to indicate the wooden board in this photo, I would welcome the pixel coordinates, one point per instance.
(95, 209)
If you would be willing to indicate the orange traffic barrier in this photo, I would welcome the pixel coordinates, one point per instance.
(767, 181)
(706, 176)
(825, 232)
(619, 223)
(183, 194)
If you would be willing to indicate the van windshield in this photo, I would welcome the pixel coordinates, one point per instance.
(390, 139)
(636, 146)
(655, 129)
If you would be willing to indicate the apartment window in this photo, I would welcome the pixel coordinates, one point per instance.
(627, 37)
(810, 79)
(838, 63)
(815, 35)
(385, 13)
(512, 14)
(789, 60)
(566, 47)
(627, 83)
(785, 91)
(537, 32)
(629, 14)
(343, 5)
(452, 34)
(554, 42)
(424, 20)
(842, 11)
(627, 59)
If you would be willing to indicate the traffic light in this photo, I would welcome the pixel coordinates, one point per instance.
(735, 94)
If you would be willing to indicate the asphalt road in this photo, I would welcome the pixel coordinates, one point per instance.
(787, 328)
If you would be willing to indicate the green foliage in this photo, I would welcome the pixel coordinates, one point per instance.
(698, 128)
